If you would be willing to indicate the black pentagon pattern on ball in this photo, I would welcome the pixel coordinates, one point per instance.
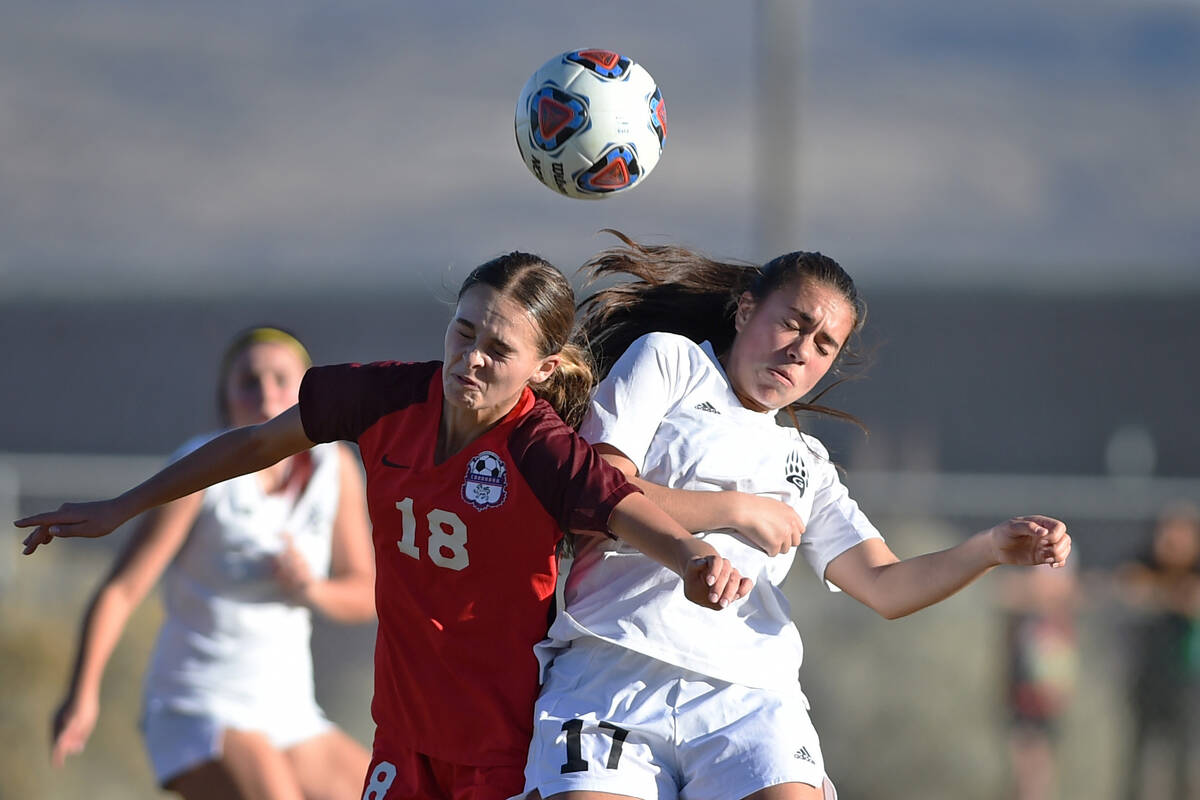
(482, 467)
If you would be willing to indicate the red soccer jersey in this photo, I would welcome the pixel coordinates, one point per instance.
(464, 552)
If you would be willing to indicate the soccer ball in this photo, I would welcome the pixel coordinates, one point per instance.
(488, 465)
(591, 123)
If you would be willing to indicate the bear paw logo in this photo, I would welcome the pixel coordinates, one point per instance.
(797, 472)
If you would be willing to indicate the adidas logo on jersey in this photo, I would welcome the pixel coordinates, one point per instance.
(707, 406)
(797, 472)
(804, 755)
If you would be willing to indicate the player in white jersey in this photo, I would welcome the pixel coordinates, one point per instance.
(634, 702)
(229, 703)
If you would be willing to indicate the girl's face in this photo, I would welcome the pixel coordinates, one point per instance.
(263, 381)
(786, 342)
(1177, 543)
(491, 353)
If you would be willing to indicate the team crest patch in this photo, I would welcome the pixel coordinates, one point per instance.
(486, 484)
(797, 472)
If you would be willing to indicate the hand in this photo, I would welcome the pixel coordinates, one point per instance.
(712, 582)
(72, 725)
(88, 520)
(771, 525)
(1031, 540)
(291, 571)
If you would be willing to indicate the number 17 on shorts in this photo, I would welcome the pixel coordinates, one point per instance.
(589, 754)
(573, 728)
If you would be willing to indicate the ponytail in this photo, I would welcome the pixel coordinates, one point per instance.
(674, 290)
(569, 389)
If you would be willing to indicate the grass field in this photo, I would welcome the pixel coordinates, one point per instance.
(906, 709)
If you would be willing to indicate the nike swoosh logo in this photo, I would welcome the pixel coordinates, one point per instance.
(387, 462)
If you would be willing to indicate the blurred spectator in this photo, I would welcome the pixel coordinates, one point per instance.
(1042, 654)
(1163, 587)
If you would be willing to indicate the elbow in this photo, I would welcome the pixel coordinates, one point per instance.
(894, 613)
(363, 611)
(890, 609)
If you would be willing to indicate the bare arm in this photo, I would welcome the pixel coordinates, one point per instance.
(238, 452)
(872, 574)
(159, 535)
(768, 524)
(708, 579)
(348, 594)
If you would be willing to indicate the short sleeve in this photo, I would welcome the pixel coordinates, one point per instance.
(575, 486)
(340, 401)
(836, 523)
(629, 404)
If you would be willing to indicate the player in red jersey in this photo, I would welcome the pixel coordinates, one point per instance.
(471, 480)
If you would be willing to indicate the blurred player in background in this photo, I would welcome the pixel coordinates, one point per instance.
(471, 479)
(1041, 641)
(1163, 587)
(229, 703)
(643, 697)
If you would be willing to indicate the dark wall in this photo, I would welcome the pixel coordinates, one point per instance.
(991, 382)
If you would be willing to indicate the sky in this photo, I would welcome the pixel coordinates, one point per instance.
(222, 147)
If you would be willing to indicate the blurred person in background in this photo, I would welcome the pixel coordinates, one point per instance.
(230, 709)
(1042, 647)
(1163, 589)
(472, 477)
(698, 357)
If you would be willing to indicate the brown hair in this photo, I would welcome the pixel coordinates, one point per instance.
(543, 291)
(677, 290)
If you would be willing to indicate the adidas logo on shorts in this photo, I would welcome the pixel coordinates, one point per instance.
(803, 754)
(709, 407)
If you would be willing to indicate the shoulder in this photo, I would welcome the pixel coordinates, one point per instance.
(669, 352)
(341, 401)
(539, 421)
(387, 374)
(668, 344)
(815, 446)
(541, 436)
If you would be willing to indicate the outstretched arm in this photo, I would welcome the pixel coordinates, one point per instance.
(872, 574)
(237, 452)
(769, 524)
(156, 541)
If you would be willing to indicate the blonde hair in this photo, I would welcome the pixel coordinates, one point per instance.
(569, 388)
(243, 341)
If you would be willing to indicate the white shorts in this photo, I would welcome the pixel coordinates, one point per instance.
(177, 742)
(613, 720)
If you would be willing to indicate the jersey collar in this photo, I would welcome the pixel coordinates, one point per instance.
(731, 398)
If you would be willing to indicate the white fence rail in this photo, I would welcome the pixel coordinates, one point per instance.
(31, 477)
(30, 480)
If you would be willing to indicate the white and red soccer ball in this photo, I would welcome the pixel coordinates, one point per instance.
(590, 123)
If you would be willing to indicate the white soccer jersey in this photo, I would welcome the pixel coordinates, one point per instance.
(668, 406)
(232, 645)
